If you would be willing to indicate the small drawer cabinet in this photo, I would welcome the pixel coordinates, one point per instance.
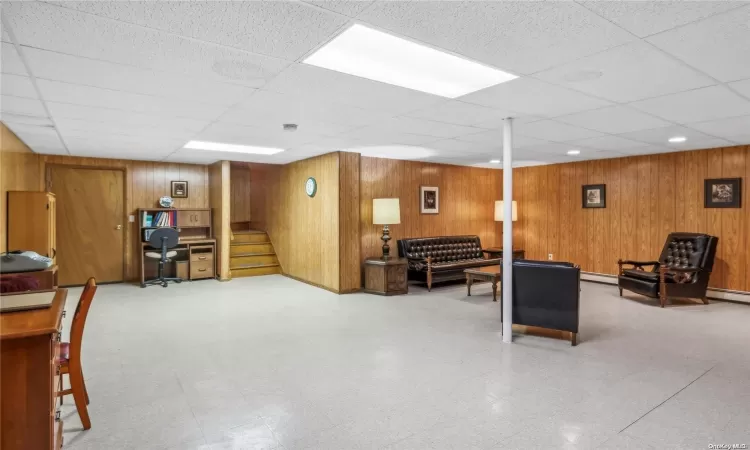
(386, 277)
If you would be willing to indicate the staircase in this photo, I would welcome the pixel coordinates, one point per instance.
(251, 254)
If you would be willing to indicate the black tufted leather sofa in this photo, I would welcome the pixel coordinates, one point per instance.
(442, 258)
(682, 271)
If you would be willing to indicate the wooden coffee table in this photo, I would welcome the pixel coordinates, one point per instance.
(487, 273)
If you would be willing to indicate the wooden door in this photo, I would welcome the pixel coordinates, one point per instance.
(52, 226)
(90, 224)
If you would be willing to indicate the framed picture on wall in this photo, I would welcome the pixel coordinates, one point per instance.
(594, 196)
(722, 193)
(179, 189)
(429, 200)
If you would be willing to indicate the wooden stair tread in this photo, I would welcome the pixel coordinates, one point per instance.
(249, 243)
(249, 232)
(252, 266)
(252, 254)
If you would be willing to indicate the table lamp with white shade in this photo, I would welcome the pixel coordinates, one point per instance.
(500, 212)
(386, 211)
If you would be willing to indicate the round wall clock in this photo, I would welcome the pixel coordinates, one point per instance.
(311, 187)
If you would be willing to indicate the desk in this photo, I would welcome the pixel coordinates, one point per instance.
(200, 257)
(30, 346)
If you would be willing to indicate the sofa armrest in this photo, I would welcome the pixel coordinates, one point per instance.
(416, 263)
(637, 264)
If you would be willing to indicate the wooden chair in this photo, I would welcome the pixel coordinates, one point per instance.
(70, 356)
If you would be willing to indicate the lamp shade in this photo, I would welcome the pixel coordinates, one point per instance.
(500, 212)
(385, 211)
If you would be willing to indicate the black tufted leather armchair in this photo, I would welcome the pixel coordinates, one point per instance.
(682, 271)
(442, 258)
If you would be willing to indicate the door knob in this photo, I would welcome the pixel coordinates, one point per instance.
(119, 227)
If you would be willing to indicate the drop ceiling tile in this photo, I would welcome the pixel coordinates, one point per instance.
(495, 138)
(94, 115)
(119, 153)
(23, 106)
(349, 8)
(17, 86)
(101, 74)
(425, 127)
(614, 120)
(27, 120)
(453, 146)
(717, 46)
(652, 150)
(84, 127)
(520, 37)
(735, 129)
(462, 113)
(606, 143)
(49, 27)
(534, 97)
(328, 144)
(550, 130)
(271, 109)
(10, 62)
(57, 91)
(743, 87)
(285, 29)
(644, 18)
(627, 73)
(699, 105)
(262, 137)
(314, 83)
(377, 136)
(660, 137)
(551, 148)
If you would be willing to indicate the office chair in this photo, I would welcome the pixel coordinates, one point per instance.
(163, 238)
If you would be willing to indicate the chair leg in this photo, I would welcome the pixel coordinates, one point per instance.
(60, 386)
(620, 292)
(573, 339)
(79, 396)
(85, 391)
(429, 281)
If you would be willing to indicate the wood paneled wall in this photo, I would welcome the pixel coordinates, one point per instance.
(350, 276)
(240, 193)
(647, 198)
(219, 174)
(19, 171)
(304, 231)
(467, 201)
(145, 182)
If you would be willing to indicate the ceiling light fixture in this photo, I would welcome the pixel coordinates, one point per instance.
(574, 152)
(494, 161)
(677, 139)
(234, 148)
(379, 56)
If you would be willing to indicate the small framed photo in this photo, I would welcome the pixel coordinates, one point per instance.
(179, 189)
(429, 200)
(594, 196)
(723, 193)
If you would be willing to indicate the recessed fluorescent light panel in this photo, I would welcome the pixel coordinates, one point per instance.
(677, 139)
(574, 152)
(234, 148)
(494, 161)
(379, 56)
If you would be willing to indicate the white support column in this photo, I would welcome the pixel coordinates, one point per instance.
(508, 231)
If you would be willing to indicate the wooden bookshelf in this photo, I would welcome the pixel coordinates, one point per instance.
(197, 246)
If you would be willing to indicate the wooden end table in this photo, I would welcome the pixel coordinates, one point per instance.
(497, 252)
(487, 273)
(386, 276)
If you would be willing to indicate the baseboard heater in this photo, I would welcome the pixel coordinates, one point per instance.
(713, 293)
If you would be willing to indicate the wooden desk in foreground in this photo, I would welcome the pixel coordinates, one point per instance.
(29, 349)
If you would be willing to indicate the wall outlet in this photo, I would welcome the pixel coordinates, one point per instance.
(131, 218)
(549, 256)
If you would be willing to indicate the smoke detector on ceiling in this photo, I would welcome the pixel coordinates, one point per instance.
(290, 127)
